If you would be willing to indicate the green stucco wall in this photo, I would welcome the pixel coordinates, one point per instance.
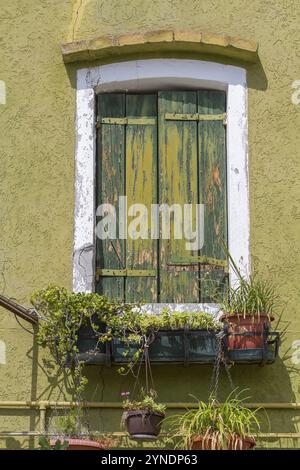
(37, 143)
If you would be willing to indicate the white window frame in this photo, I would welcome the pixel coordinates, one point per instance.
(158, 74)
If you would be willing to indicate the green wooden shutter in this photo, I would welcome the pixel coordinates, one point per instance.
(184, 163)
(177, 184)
(127, 165)
(141, 187)
(213, 188)
(111, 185)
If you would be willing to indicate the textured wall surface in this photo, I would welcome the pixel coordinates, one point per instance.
(37, 138)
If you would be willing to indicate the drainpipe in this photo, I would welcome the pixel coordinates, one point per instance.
(43, 405)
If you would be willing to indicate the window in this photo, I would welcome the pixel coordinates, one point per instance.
(145, 76)
(162, 148)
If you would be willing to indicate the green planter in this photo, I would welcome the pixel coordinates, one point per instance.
(91, 351)
(176, 346)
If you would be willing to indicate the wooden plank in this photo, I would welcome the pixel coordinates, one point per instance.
(111, 185)
(212, 188)
(141, 188)
(177, 184)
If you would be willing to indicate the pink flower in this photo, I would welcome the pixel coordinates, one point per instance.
(125, 394)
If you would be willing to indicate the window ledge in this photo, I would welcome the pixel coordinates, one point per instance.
(161, 41)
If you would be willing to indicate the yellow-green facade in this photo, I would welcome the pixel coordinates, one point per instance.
(37, 149)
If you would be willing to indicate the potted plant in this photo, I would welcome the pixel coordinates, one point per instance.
(64, 314)
(172, 336)
(215, 426)
(143, 417)
(247, 311)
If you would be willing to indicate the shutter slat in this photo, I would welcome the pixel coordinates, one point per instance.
(178, 184)
(141, 188)
(212, 188)
(111, 185)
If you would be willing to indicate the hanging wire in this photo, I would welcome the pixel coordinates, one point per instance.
(220, 360)
(145, 358)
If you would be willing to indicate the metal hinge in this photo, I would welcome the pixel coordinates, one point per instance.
(138, 121)
(125, 273)
(196, 117)
(194, 260)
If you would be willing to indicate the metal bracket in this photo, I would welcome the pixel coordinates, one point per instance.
(133, 121)
(196, 117)
(199, 260)
(126, 272)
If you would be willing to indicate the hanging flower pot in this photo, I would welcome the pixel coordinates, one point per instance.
(143, 424)
(143, 418)
(215, 426)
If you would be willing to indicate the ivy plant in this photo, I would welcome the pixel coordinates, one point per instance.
(65, 312)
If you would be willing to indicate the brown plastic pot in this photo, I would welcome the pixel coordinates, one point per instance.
(245, 443)
(79, 444)
(142, 424)
(238, 323)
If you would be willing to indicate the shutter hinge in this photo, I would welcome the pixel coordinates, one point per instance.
(134, 121)
(125, 273)
(205, 260)
(196, 117)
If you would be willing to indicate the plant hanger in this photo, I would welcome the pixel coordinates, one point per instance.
(147, 340)
(220, 360)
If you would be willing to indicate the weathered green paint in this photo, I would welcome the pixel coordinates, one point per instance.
(127, 161)
(111, 185)
(177, 185)
(191, 158)
(141, 176)
(212, 188)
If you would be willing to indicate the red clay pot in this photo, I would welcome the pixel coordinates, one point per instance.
(238, 323)
(245, 444)
(80, 444)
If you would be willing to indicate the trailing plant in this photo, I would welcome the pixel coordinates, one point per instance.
(217, 423)
(64, 313)
(134, 327)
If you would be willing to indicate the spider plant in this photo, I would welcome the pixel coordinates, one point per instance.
(252, 296)
(219, 425)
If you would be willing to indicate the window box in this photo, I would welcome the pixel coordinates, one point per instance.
(176, 346)
(265, 355)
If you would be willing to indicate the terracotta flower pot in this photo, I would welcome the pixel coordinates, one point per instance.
(238, 323)
(245, 443)
(79, 444)
(142, 424)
